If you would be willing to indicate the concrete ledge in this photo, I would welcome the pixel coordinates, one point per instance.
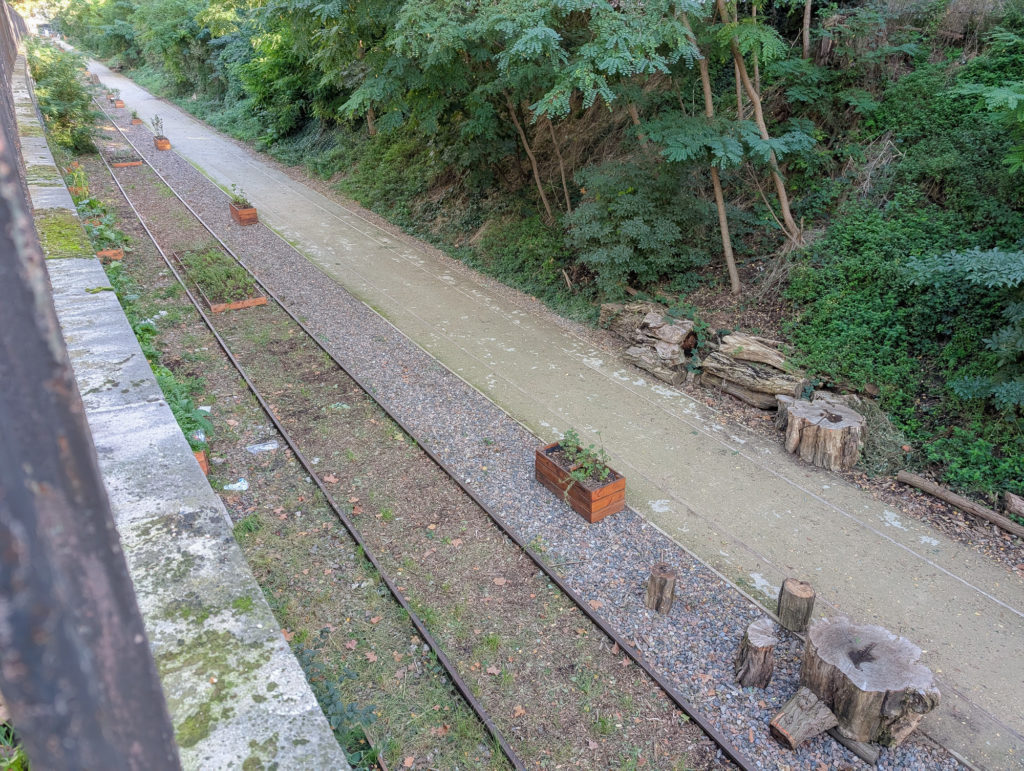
(237, 696)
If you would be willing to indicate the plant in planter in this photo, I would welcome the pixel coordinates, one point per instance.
(124, 157)
(242, 211)
(582, 476)
(160, 142)
(136, 120)
(223, 283)
(77, 181)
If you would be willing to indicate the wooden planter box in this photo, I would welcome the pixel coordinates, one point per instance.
(161, 143)
(111, 254)
(136, 121)
(119, 103)
(244, 215)
(248, 302)
(593, 505)
(125, 164)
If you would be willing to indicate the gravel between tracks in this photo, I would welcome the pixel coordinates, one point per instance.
(606, 563)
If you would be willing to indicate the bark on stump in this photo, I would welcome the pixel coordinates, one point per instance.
(870, 678)
(796, 604)
(660, 588)
(756, 658)
(825, 433)
(802, 718)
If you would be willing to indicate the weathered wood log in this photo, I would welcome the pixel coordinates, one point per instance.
(824, 433)
(1014, 504)
(754, 377)
(802, 718)
(964, 504)
(624, 319)
(656, 327)
(870, 678)
(648, 360)
(762, 401)
(796, 604)
(749, 348)
(661, 586)
(864, 750)
(755, 660)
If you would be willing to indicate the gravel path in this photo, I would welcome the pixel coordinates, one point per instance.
(606, 563)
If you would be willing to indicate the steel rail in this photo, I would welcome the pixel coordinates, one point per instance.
(460, 684)
(677, 698)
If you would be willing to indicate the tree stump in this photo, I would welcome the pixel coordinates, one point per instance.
(796, 604)
(870, 678)
(756, 658)
(825, 433)
(660, 588)
(804, 717)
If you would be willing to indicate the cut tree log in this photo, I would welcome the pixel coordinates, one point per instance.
(624, 319)
(649, 360)
(1014, 504)
(864, 750)
(802, 718)
(871, 679)
(655, 327)
(749, 348)
(965, 504)
(825, 433)
(755, 660)
(661, 587)
(782, 403)
(754, 377)
(762, 401)
(796, 604)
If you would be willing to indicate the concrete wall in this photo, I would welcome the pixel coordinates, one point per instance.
(237, 695)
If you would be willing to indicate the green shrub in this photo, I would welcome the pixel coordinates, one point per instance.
(221, 278)
(63, 98)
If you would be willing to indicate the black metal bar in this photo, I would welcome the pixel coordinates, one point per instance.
(75, 666)
(680, 701)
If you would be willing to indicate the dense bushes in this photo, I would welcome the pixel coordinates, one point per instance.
(64, 100)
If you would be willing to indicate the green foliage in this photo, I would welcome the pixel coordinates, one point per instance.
(586, 464)
(100, 224)
(637, 225)
(12, 756)
(63, 98)
(220, 278)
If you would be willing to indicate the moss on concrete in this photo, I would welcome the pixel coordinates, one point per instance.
(42, 174)
(61, 234)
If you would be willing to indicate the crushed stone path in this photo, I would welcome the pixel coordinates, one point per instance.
(738, 503)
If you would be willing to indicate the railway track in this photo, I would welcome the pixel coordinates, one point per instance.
(288, 429)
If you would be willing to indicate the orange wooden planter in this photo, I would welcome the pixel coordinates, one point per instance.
(162, 143)
(111, 254)
(125, 164)
(244, 215)
(119, 103)
(238, 304)
(593, 505)
(201, 460)
(136, 121)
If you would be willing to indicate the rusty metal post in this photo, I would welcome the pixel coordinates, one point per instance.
(76, 671)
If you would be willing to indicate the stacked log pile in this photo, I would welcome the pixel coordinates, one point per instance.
(656, 344)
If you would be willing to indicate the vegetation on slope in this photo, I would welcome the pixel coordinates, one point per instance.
(578, 149)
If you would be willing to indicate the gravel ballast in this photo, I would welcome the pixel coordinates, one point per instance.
(607, 563)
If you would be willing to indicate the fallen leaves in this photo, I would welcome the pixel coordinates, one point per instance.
(518, 711)
(351, 644)
(500, 581)
(493, 670)
(330, 479)
(287, 634)
(371, 656)
(407, 763)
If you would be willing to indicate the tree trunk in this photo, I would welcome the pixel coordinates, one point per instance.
(826, 434)
(757, 399)
(806, 32)
(796, 604)
(870, 678)
(371, 122)
(529, 154)
(750, 348)
(561, 168)
(716, 183)
(756, 658)
(660, 588)
(1014, 504)
(751, 376)
(804, 717)
(792, 230)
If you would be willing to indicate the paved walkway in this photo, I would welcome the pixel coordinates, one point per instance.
(740, 504)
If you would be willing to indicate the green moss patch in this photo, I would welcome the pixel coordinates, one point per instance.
(61, 234)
